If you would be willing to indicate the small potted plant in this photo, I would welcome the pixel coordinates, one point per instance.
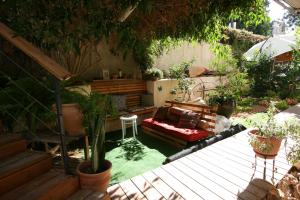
(227, 94)
(266, 138)
(95, 174)
(153, 74)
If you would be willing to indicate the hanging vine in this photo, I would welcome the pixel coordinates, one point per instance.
(67, 24)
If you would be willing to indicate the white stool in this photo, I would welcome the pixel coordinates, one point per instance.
(128, 119)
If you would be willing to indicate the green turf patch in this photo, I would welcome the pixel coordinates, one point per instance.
(134, 157)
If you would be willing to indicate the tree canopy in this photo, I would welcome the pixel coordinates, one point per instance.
(65, 24)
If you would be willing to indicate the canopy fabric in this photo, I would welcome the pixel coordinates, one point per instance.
(272, 47)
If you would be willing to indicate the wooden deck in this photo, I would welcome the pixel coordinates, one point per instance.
(220, 171)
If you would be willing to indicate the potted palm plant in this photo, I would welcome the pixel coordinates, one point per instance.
(95, 174)
(266, 138)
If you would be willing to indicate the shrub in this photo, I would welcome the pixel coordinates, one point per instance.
(153, 74)
(259, 72)
(271, 93)
(282, 105)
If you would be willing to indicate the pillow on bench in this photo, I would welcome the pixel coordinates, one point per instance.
(188, 120)
(175, 113)
(119, 101)
(161, 113)
(202, 124)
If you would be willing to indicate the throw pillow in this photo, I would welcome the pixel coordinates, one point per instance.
(161, 113)
(188, 120)
(119, 101)
(203, 124)
(174, 114)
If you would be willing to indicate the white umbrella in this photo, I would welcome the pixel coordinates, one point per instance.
(273, 46)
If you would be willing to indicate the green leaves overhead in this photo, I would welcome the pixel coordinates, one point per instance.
(65, 24)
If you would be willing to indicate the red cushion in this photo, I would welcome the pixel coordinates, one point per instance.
(186, 134)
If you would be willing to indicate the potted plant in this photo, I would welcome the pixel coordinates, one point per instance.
(71, 112)
(227, 94)
(266, 138)
(232, 82)
(153, 74)
(95, 174)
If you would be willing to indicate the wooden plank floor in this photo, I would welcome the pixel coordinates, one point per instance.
(220, 171)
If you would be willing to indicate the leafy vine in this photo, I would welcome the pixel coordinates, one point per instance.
(149, 26)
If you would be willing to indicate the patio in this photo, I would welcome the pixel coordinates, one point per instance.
(70, 71)
(221, 171)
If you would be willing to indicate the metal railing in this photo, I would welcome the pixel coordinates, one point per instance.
(54, 73)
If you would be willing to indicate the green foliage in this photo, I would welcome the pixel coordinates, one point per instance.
(153, 74)
(273, 128)
(235, 84)
(27, 102)
(282, 105)
(223, 61)
(294, 153)
(271, 94)
(96, 107)
(245, 104)
(180, 73)
(260, 75)
(48, 23)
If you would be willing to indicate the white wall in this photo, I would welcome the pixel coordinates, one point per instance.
(200, 52)
(159, 97)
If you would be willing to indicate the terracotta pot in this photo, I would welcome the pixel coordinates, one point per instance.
(73, 119)
(96, 182)
(273, 141)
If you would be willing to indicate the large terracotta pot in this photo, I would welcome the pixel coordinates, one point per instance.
(273, 141)
(96, 182)
(73, 119)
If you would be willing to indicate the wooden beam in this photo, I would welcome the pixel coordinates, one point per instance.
(36, 54)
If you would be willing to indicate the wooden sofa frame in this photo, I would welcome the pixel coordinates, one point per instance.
(206, 113)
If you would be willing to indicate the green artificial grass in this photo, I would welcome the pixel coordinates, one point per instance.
(134, 157)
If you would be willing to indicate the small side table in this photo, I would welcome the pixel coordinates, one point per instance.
(129, 120)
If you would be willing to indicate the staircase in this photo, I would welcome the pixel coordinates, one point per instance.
(26, 174)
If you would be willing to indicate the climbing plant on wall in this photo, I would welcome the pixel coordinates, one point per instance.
(134, 24)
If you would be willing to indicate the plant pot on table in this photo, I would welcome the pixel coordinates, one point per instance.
(265, 147)
(94, 181)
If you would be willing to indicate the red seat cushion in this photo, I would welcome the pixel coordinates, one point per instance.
(186, 134)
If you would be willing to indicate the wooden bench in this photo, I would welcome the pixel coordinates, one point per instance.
(205, 112)
(132, 89)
